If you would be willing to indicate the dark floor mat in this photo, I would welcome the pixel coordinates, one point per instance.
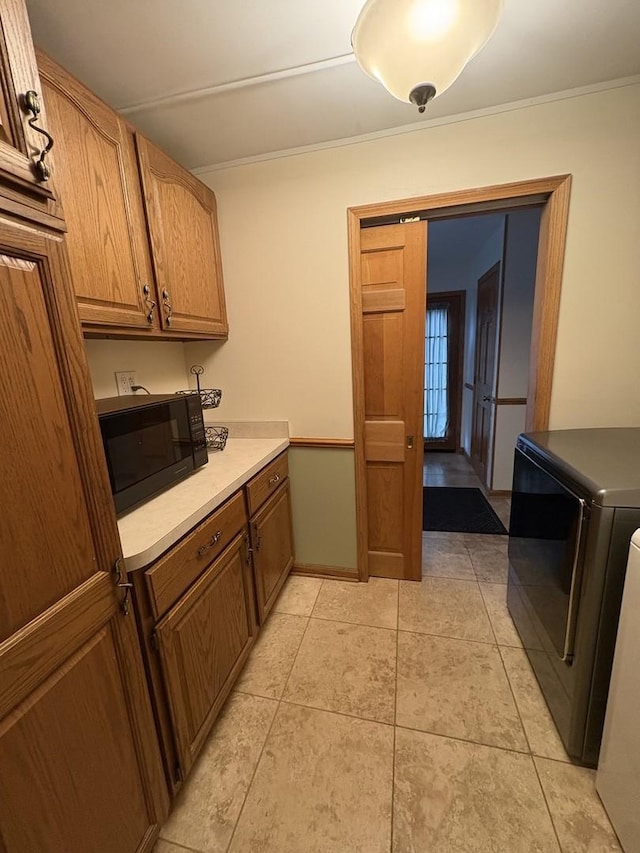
(454, 510)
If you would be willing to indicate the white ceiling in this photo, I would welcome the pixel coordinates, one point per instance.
(213, 82)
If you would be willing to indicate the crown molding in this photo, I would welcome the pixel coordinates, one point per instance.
(243, 83)
(457, 118)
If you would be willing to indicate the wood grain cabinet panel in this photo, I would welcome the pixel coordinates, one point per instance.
(272, 547)
(185, 247)
(37, 457)
(266, 482)
(203, 642)
(81, 768)
(20, 144)
(96, 172)
(173, 573)
(71, 776)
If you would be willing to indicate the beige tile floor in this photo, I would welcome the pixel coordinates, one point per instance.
(390, 717)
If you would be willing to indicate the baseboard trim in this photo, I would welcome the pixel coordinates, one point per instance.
(314, 571)
(499, 493)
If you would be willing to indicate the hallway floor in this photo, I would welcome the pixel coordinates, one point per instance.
(454, 469)
(390, 716)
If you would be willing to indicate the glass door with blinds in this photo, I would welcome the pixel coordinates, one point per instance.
(444, 338)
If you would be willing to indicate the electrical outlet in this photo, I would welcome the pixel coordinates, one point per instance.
(124, 380)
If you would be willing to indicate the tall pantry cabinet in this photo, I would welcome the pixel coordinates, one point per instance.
(79, 763)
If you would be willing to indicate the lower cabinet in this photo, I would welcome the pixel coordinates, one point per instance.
(198, 608)
(73, 756)
(272, 545)
(203, 642)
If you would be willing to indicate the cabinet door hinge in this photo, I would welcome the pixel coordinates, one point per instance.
(248, 550)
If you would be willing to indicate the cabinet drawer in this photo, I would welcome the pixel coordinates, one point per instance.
(266, 482)
(172, 574)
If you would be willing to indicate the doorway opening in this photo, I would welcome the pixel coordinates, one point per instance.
(493, 257)
(388, 251)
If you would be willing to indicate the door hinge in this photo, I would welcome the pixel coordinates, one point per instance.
(249, 550)
(154, 642)
(120, 581)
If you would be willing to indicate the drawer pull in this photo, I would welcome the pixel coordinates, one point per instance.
(213, 541)
(275, 479)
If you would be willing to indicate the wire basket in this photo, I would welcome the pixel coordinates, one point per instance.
(216, 437)
(209, 397)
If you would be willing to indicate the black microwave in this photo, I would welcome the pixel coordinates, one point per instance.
(150, 443)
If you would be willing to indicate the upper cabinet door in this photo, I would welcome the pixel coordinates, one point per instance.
(97, 177)
(183, 225)
(21, 180)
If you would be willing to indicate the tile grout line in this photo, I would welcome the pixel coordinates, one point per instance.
(395, 716)
(338, 713)
(517, 707)
(361, 624)
(253, 776)
(486, 610)
(315, 600)
(255, 769)
(295, 657)
(546, 802)
(177, 846)
(461, 739)
(450, 637)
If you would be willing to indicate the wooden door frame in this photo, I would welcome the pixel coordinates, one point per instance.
(551, 192)
(459, 298)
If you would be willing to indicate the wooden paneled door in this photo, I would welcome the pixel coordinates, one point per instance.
(393, 281)
(486, 357)
(97, 176)
(80, 761)
(185, 247)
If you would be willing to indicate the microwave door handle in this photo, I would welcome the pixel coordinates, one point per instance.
(573, 592)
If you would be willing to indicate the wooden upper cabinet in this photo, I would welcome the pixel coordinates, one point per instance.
(21, 184)
(183, 226)
(97, 177)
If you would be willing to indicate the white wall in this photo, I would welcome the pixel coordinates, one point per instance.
(284, 248)
(520, 259)
(521, 252)
(460, 269)
(159, 365)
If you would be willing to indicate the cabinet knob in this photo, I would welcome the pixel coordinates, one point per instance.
(275, 479)
(32, 105)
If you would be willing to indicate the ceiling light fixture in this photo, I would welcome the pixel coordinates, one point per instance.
(417, 48)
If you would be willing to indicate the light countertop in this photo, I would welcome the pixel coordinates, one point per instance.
(147, 531)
